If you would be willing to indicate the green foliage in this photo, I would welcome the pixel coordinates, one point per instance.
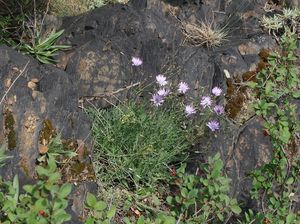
(277, 87)
(276, 22)
(99, 212)
(3, 157)
(275, 185)
(43, 202)
(44, 50)
(203, 199)
(10, 28)
(57, 150)
(134, 146)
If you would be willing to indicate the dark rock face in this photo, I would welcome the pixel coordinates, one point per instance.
(99, 63)
(42, 93)
(36, 99)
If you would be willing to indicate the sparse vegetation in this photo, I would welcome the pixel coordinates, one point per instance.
(142, 146)
(204, 33)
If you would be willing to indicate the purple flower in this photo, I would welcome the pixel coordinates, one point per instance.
(205, 101)
(183, 87)
(216, 91)
(219, 110)
(189, 110)
(163, 92)
(157, 99)
(136, 61)
(213, 125)
(161, 80)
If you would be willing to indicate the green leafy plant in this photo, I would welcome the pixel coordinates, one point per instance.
(3, 157)
(288, 18)
(203, 199)
(43, 202)
(44, 49)
(275, 187)
(133, 146)
(277, 87)
(99, 212)
(57, 150)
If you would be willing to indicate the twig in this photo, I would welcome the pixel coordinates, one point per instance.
(21, 73)
(180, 217)
(111, 93)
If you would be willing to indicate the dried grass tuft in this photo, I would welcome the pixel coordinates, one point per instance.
(204, 33)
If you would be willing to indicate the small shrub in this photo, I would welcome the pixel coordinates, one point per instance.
(98, 210)
(203, 199)
(42, 203)
(275, 184)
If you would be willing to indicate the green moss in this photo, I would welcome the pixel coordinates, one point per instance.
(9, 123)
(47, 133)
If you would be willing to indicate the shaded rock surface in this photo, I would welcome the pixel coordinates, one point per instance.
(37, 100)
(99, 63)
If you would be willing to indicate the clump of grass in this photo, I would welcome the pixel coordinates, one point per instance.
(134, 147)
(68, 8)
(204, 33)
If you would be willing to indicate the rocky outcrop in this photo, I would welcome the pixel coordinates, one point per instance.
(38, 100)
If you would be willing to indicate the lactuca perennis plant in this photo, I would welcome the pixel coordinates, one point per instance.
(170, 95)
(133, 145)
(203, 199)
(42, 203)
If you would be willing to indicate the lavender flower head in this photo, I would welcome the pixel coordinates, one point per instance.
(157, 99)
(216, 91)
(163, 92)
(219, 110)
(213, 125)
(189, 110)
(205, 101)
(183, 87)
(136, 61)
(161, 80)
